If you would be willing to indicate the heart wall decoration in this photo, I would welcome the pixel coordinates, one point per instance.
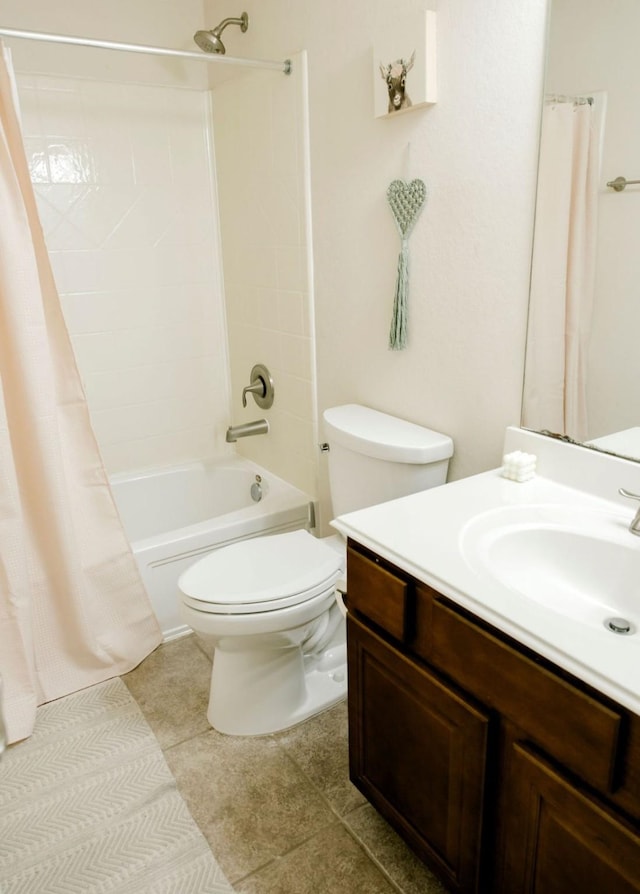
(406, 200)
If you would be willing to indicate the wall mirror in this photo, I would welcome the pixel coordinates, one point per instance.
(581, 375)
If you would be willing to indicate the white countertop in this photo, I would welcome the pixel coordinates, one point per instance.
(422, 535)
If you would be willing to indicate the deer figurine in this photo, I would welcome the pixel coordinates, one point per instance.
(395, 75)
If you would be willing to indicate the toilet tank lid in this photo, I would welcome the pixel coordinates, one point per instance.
(381, 436)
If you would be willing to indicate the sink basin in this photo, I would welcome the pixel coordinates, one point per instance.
(581, 563)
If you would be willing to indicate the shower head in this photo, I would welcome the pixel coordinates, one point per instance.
(211, 41)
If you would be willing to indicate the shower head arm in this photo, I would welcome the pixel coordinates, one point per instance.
(243, 21)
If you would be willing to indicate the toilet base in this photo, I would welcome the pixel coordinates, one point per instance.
(269, 690)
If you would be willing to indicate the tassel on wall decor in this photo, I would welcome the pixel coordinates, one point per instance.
(406, 200)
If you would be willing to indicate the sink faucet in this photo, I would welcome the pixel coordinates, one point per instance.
(634, 527)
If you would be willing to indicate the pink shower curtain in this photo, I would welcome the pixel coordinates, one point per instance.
(563, 270)
(73, 610)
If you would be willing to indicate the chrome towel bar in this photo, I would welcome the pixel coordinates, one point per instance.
(620, 182)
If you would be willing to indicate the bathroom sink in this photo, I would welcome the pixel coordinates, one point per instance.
(581, 563)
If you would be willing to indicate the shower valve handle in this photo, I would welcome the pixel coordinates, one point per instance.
(258, 387)
(261, 387)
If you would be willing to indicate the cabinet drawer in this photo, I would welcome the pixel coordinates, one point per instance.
(579, 731)
(377, 593)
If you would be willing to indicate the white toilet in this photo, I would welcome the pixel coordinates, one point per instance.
(270, 605)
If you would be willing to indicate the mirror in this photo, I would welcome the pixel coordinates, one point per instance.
(581, 380)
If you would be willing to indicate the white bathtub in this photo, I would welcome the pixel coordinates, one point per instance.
(174, 516)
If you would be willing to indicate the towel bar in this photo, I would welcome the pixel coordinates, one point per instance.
(620, 182)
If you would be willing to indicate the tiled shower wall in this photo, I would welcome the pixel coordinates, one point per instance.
(122, 174)
(260, 128)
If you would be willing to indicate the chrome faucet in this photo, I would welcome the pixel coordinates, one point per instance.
(634, 527)
(259, 427)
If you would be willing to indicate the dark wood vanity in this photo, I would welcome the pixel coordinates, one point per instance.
(503, 772)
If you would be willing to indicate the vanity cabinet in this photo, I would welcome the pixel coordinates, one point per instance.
(502, 772)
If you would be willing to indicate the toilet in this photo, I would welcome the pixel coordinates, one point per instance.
(271, 606)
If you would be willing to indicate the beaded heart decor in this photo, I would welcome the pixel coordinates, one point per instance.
(406, 201)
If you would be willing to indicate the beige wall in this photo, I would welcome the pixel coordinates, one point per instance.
(476, 149)
(470, 252)
(162, 23)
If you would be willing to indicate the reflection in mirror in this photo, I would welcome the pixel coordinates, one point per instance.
(580, 377)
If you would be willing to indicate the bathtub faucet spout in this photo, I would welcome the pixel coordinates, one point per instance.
(259, 427)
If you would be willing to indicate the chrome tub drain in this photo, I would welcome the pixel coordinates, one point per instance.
(619, 625)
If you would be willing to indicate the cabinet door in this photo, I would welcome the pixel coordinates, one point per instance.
(418, 753)
(558, 841)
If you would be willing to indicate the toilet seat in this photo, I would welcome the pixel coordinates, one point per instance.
(261, 575)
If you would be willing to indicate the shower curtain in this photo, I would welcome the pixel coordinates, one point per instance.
(563, 269)
(73, 611)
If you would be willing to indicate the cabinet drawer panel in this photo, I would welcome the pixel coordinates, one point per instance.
(579, 731)
(377, 593)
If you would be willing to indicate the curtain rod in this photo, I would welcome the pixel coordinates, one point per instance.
(143, 48)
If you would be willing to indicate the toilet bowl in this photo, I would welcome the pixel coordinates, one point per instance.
(272, 607)
(269, 608)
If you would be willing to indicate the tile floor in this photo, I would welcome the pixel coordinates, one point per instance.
(278, 811)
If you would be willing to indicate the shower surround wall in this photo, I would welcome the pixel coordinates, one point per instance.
(261, 148)
(129, 205)
(122, 174)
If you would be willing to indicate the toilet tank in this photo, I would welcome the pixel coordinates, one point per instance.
(374, 457)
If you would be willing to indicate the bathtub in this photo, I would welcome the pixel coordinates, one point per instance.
(174, 516)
